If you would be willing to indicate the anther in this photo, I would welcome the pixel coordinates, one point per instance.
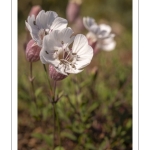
(46, 52)
(34, 22)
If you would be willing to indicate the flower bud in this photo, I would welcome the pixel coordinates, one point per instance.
(55, 75)
(32, 51)
(78, 25)
(72, 11)
(35, 10)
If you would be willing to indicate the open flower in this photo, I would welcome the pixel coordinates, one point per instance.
(56, 51)
(100, 33)
(43, 24)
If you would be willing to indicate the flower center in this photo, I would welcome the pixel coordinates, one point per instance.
(66, 57)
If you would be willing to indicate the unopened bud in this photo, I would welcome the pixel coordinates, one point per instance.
(55, 75)
(32, 51)
(79, 27)
(72, 11)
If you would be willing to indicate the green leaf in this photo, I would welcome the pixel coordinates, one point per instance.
(90, 146)
(48, 138)
(59, 148)
(38, 91)
(37, 135)
(68, 135)
(93, 107)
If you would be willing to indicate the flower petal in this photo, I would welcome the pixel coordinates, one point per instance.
(109, 47)
(88, 22)
(58, 39)
(80, 45)
(73, 70)
(45, 19)
(105, 27)
(48, 58)
(65, 36)
(95, 29)
(32, 27)
(107, 44)
(61, 69)
(83, 50)
(104, 31)
(59, 23)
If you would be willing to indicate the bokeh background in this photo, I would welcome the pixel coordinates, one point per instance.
(96, 111)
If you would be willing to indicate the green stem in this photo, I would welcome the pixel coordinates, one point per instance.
(54, 96)
(54, 113)
(32, 85)
(54, 116)
(48, 80)
(58, 123)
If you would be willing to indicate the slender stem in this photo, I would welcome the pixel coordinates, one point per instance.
(48, 80)
(54, 96)
(54, 113)
(32, 85)
(54, 116)
(58, 123)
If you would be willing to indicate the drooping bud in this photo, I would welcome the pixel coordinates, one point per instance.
(55, 75)
(78, 25)
(73, 10)
(32, 51)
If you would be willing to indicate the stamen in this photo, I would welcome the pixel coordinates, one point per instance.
(46, 31)
(34, 22)
(63, 61)
(55, 51)
(73, 66)
(67, 56)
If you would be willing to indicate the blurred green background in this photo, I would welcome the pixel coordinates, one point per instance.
(96, 111)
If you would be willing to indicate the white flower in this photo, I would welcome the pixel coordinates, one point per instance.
(107, 44)
(43, 24)
(56, 51)
(101, 33)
